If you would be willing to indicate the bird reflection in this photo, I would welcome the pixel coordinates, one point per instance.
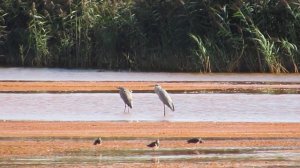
(155, 160)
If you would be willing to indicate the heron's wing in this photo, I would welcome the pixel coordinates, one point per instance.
(126, 95)
(165, 98)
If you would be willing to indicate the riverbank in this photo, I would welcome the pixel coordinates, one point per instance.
(172, 87)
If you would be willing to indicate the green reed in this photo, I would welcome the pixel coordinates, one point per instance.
(152, 35)
(38, 39)
(202, 54)
(270, 52)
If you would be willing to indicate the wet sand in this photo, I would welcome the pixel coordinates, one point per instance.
(149, 129)
(69, 86)
(36, 138)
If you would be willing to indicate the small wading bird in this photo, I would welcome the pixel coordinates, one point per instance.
(126, 95)
(164, 97)
(195, 140)
(154, 145)
(98, 141)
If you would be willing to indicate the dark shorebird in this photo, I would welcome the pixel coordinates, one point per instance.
(195, 140)
(164, 97)
(98, 141)
(126, 96)
(154, 145)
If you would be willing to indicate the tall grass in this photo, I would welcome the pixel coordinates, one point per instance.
(290, 51)
(153, 35)
(3, 32)
(38, 39)
(270, 52)
(202, 54)
(3, 35)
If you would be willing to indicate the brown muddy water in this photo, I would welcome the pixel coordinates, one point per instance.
(238, 107)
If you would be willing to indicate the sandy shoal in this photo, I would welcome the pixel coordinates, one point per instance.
(89, 86)
(148, 129)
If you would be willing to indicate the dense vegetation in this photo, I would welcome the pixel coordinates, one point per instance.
(152, 35)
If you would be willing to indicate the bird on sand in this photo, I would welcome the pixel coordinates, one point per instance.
(98, 141)
(164, 97)
(126, 96)
(154, 145)
(195, 140)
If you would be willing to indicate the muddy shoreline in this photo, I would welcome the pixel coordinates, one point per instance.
(148, 129)
(144, 86)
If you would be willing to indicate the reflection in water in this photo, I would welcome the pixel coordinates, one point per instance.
(147, 107)
(195, 152)
(55, 74)
(155, 160)
(288, 156)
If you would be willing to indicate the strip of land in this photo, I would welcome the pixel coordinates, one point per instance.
(175, 87)
(149, 129)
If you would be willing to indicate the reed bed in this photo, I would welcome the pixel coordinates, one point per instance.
(152, 35)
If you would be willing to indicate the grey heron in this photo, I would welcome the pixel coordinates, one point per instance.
(164, 97)
(195, 140)
(126, 96)
(154, 145)
(98, 141)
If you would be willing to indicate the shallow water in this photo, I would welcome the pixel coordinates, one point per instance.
(56, 74)
(165, 155)
(147, 107)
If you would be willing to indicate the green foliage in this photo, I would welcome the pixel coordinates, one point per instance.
(290, 51)
(38, 39)
(153, 35)
(3, 32)
(202, 55)
(269, 51)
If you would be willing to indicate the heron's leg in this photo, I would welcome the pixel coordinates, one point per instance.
(164, 110)
(125, 108)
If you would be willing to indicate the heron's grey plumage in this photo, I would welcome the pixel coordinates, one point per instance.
(164, 97)
(126, 96)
